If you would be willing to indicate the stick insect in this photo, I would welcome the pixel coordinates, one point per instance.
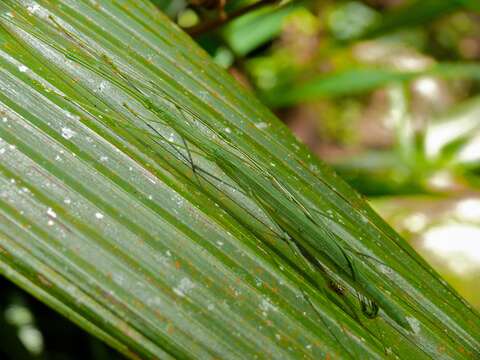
(276, 199)
(316, 239)
(232, 163)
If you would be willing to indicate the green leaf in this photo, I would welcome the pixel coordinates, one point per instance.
(153, 201)
(256, 28)
(359, 80)
(414, 13)
(470, 4)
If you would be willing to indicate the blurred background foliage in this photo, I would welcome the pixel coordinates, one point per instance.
(386, 91)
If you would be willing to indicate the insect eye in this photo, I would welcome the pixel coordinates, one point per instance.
(337, 288)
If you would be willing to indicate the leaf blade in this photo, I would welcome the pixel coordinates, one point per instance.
(141, 238)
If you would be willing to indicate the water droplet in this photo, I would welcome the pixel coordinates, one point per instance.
(33, 8)
(103, 85)
(184, 287)
(261, 125)
(51, 213)
(266, 305)
(414, 324)
(68, 133)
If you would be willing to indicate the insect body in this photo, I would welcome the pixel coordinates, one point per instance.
(369, 308)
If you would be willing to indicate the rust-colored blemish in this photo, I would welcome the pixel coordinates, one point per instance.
(138, 304)
(132, 355)
(44, 280)
(159, 316)
(177, 265)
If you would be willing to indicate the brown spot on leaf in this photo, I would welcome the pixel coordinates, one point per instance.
(44, 281)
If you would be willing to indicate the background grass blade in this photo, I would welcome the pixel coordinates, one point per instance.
(124, 207)
(414, 13)
(358, 80)
(267, 22)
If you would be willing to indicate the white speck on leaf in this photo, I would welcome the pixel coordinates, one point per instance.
(184, 287)
(261, 125)
(51, 213)
(266, 305)
(99, 215)
(414, 324)
(103, 85)
(33, 8)
(73, 117)
(22, 68)
(68, 133)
